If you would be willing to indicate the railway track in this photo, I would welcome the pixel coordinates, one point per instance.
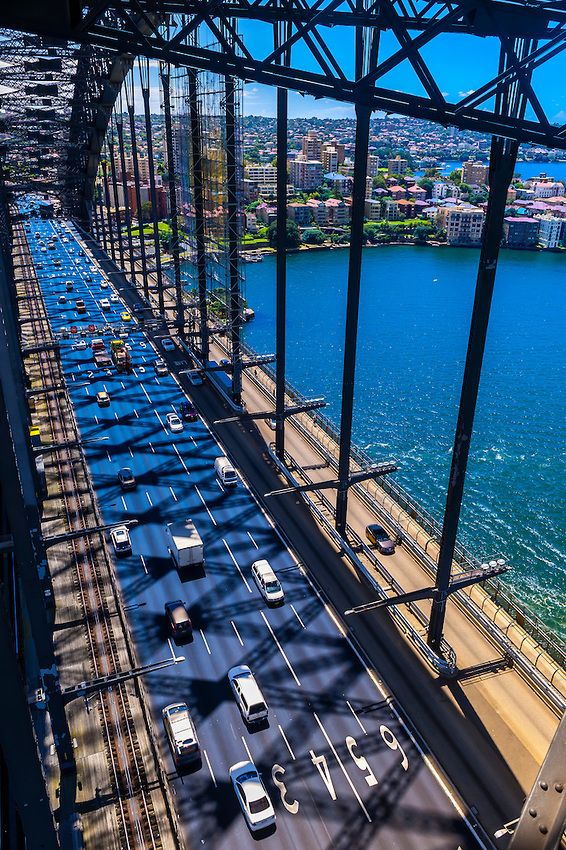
(138, 828)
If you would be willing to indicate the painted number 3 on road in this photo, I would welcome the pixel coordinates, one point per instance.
(321, 764)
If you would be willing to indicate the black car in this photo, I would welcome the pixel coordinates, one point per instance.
(126, 478)
(377, 535)
(187, 411)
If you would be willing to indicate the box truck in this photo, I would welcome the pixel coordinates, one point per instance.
(184, 544)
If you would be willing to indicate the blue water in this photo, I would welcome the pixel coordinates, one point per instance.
(525, 170)
(414, 320)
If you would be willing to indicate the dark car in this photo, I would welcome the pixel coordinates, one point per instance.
(377, 535)
(126, 479)
(178, 619)
(187, 411)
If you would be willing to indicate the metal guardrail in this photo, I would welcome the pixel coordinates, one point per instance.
(499, 593)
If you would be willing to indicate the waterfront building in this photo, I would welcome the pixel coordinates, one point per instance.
(372, 209)
(551, 231)
(442, 189)
(339, 182)
(463, 223)
(337, 211)
(521, 231)
(301, 214)
(264, 176)
(318, 211)
(329, 158)
(311, 145)
(546, 188)
(373, 165)
(306, 173)
(474, 173)
(406, 207)
(397, 166)
(397, 192)
(266, 214)
(390, 209)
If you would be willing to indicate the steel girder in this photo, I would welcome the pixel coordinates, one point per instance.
(166, 29)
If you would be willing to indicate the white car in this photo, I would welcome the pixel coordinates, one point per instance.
(174, 423)
(267, 583)
(247, 694)
(167, 344)
(81, 345)
(114, 298)
(105, 304)
(104, 284)
(252, 796)
(120, 537)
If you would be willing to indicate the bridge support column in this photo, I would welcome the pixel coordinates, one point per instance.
(281, 274)
(136, 166)
(232, 204)
(117, 216)
(127, 211)
(363, 115)
(171, 179)
(144, 82)
(101, 224)
(198, 201)
(501, 166)
(108, 214)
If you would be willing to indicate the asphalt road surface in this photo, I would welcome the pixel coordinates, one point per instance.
(338, 762)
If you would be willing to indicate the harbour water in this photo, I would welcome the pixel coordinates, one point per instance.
(524, 170)
(414, 319)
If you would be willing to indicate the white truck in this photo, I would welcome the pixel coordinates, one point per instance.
(184, 544)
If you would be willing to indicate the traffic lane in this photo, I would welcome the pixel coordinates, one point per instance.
(459, 742)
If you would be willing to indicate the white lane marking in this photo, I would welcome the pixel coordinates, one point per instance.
(96, 420)
(145, 391)
(247, 749)
(342, 768)
(135, 373)
(161, 420)
(116, 417)
(253, 541)
(130, 451)
(151, 447)
(206, 506)
(149, 498)
(284, 736)
(157, 380)
(124, 503)
(237, 632)
(236, 564)
(87, 391)
(104, 388)
(173, 494)
(357, 719)
(220, 485)
(109, 456)
(136, 414)
(297, 616)
(183, 464)
(205, 641)
(210, 768)
(142, 559)
(194, 442)
(280, 648)
(123, 385)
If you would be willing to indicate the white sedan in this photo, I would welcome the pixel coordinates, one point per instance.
(174, 423)
(252, 796)
(121, 542)
(105, 304)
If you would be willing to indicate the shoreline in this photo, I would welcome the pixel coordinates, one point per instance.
(267, 252)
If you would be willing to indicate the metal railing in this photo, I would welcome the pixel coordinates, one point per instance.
(496, 590)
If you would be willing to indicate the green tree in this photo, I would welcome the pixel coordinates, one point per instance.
(292, 236)
(456, 176)
(421, 233)
(378, 182)
(432, 172)
(465, 189)
(426, 183)
(146, 211)
(313, 236)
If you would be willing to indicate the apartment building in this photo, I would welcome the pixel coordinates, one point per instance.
(463, 224)
(306, 173)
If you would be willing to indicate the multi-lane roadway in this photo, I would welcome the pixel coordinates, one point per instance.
(338, 762)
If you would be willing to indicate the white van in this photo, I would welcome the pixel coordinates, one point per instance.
(181, 733)
(247, 693)
(225, 472)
